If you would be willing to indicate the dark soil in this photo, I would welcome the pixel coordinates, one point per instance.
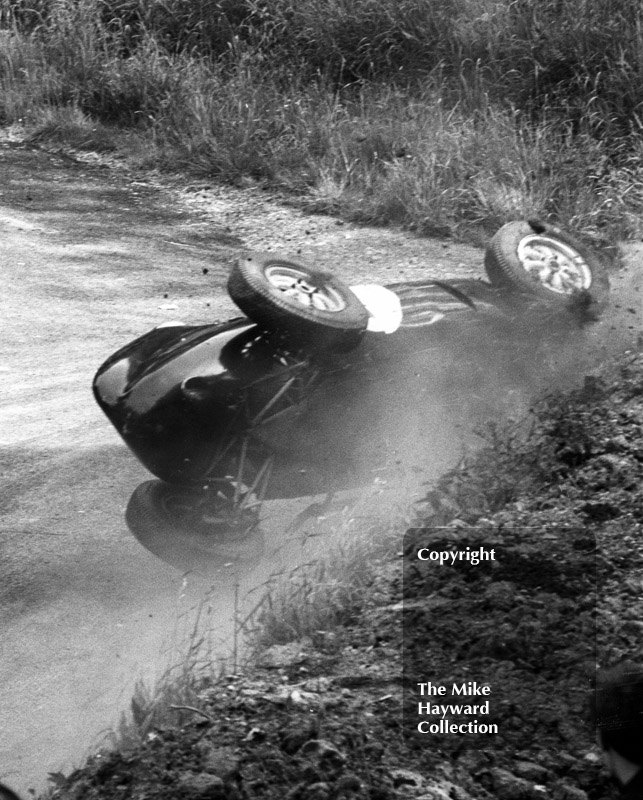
(561, 504)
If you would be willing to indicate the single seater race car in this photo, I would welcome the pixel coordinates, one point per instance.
(303, 395)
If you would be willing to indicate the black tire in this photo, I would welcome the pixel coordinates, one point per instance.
(168, 520)
(7, 794)
(542, 261)
(317, 308)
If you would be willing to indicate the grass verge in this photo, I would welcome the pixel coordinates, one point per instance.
(449, 118)
(317, 600)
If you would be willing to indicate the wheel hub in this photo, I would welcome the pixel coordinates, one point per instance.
(553, 264)
(297, 284)
(212, 513)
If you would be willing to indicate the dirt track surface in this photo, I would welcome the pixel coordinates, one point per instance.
(91, 257)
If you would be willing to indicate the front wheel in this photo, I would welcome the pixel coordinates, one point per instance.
(193, 528)
(7, 794)
(542, 261)
(314, 307)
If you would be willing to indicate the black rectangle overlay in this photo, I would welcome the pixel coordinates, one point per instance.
(499, 628)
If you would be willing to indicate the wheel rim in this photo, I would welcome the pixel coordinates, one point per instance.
(553, 264)
(298, 284)
(223, 520)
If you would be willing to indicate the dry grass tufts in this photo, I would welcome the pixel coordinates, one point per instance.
(447, 117)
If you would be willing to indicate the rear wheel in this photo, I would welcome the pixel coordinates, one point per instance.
(542, 261)
(194, 528)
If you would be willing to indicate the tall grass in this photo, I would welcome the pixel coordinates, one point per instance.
(318, 598)
(448, 116)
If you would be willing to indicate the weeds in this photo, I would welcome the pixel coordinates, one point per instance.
(319, 598)
(195, 660)
(519, 459)
(487, 480)
(448, 117)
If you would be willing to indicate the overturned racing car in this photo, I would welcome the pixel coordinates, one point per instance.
(286, 401)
